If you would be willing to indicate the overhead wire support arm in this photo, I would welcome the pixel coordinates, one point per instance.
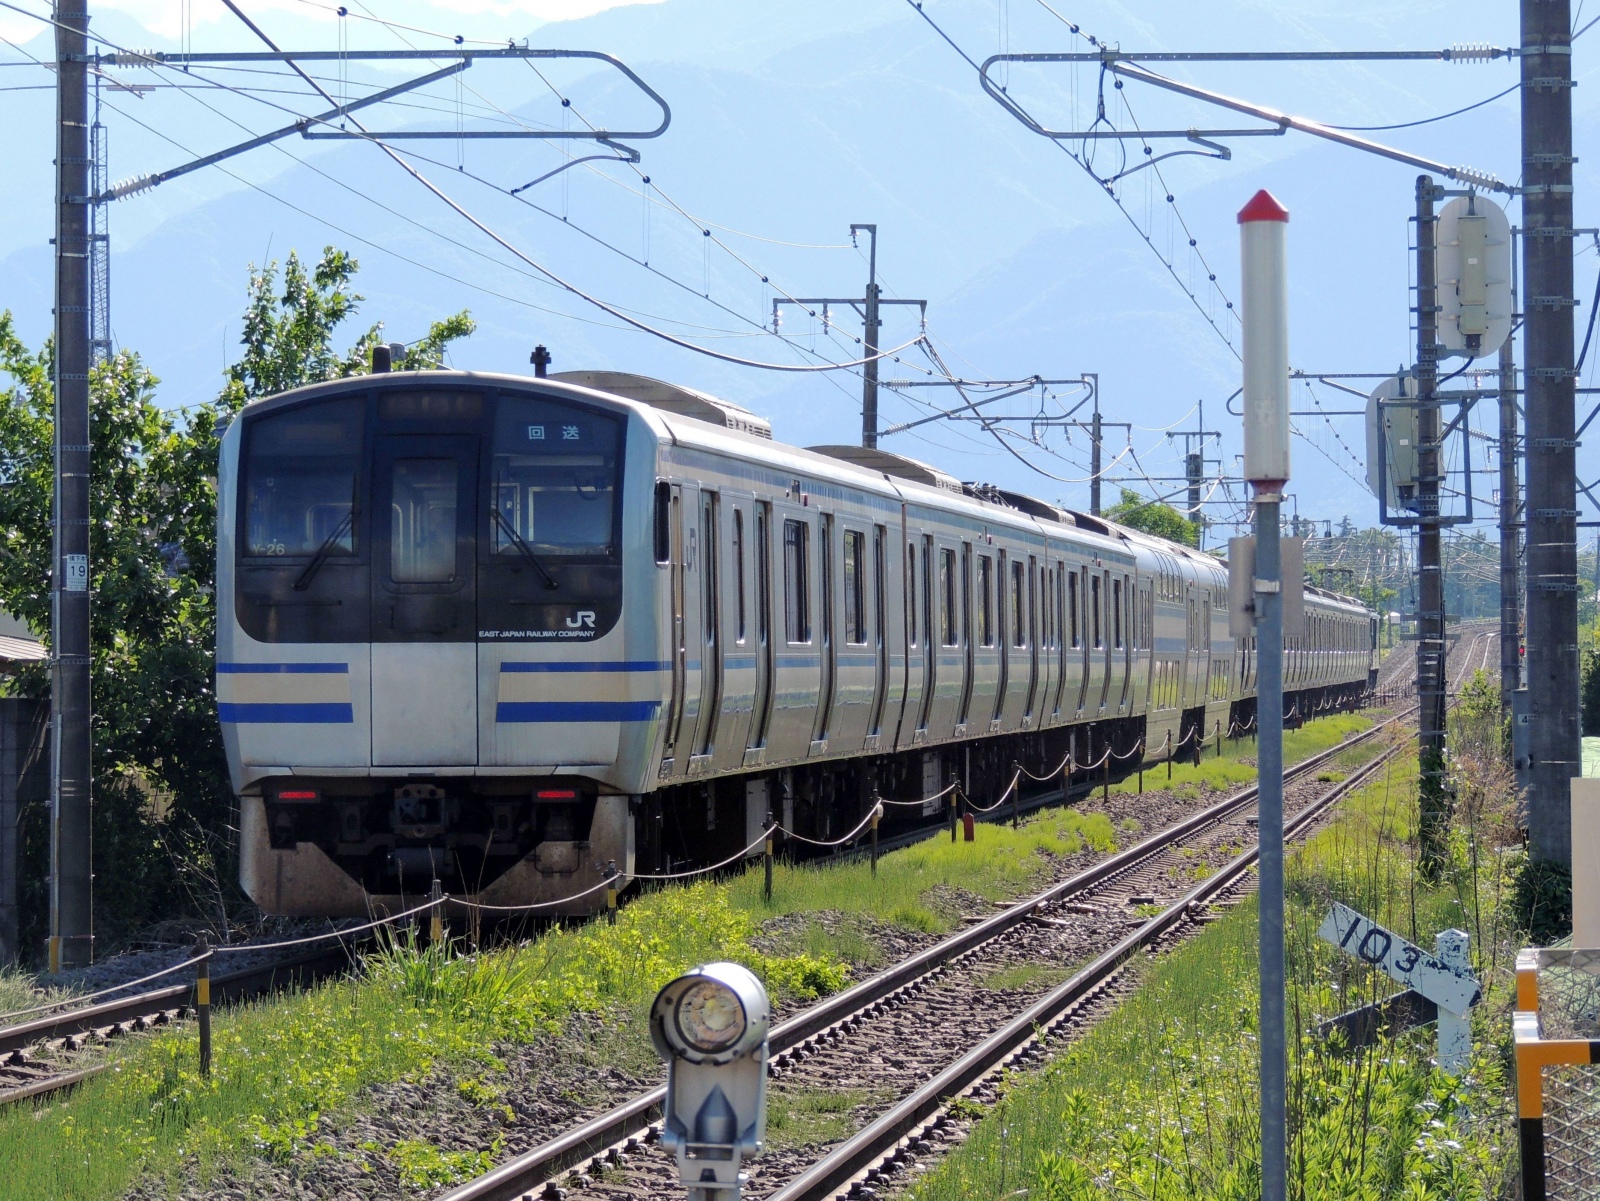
(144, 182)
(1120, 64)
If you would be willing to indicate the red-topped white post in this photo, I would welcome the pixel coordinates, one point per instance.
(1263, 227)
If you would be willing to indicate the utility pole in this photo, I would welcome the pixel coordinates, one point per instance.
(1510, 601)
(1434, 818)
(870, 323)
(1194, 468)
(1548, 380)
(1095, 465)
(71, 910)
(868, 306)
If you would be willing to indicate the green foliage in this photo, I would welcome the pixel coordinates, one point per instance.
(424, 1166)
(1542, 900)
(162, 798)
(284, 1071)
(1153, 517)
(1159, 1101)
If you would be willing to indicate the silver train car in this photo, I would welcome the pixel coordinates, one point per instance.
(515, 634)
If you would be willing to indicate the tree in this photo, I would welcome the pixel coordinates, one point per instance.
(162, 800)
(1153, 517)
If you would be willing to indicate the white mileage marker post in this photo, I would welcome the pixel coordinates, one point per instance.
(1443, 978)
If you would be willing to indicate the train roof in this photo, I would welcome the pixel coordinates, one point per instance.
(693, 416)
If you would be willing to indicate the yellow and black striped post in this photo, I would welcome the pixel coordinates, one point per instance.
(1534, 1054)
(955, 810)
(611, 893)
(1016, 796)
(202, 1000)
(436, 914)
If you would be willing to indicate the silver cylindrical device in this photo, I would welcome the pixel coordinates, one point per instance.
(1263, 224)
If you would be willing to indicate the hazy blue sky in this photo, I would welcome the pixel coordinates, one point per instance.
(790, 121)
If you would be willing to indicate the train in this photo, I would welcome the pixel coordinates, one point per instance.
(528, 636)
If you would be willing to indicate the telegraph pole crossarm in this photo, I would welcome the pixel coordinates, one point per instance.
(867, 306)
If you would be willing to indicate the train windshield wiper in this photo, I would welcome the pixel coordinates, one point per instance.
(527, 551)
(303, 581)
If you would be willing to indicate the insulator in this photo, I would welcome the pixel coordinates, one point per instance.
(132, 187)
(142, 57)
(1473, 52)
(1478, 179)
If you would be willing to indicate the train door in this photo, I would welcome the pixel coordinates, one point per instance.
(709, 630)
(1059, 620)
(761, 557)
(856, 660)
(964, 710)
(798, 674)
(827, 651)
(985, 651)
(880, 633)
(929, 621)
(1029, 699)
(1118, 689)
(738, 651)
(1078, 630)
(424, 600)
(915, 634)
(684, 515)
(1002, 637)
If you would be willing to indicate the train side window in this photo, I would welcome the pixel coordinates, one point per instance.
(985, 600)
(966, 594)
(738, 567)
(855, 587)
(663, 521)
(911, 594)
(1072, 610)
(709, 572)
(1019, 632)
(1094, 611)
(796, 581)
(300, 479)
(947, 595)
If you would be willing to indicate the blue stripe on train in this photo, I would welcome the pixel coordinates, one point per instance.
(294, 669)
(572, 711)
(624, 665)
(331, 713)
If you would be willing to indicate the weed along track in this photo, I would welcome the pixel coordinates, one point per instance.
(61, 1049)
(866, 1059)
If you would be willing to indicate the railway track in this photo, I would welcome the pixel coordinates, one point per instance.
(46, 1055)
(911, 1038)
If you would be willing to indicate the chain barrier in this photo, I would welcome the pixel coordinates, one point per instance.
(103, 992)
(876, 812)
(938, 796)
(332, 934)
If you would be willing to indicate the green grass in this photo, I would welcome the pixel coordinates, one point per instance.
(812, 1117)
(1159, 1101)
(290, 1071)
(1229, 772)
(1024, 975)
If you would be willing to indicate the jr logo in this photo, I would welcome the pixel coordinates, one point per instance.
(582, 619)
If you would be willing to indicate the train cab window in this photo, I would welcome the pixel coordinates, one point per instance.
(555, 473)
(947, 596)
(985, 600)
(796, 581)
(855, 587)
(1072, 609)
(422, 521)
(300, 479)
(1094, 611)
(1019, 632)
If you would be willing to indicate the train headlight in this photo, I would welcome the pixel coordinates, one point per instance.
(713, 1014)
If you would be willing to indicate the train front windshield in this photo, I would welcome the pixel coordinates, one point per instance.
(429, 514)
